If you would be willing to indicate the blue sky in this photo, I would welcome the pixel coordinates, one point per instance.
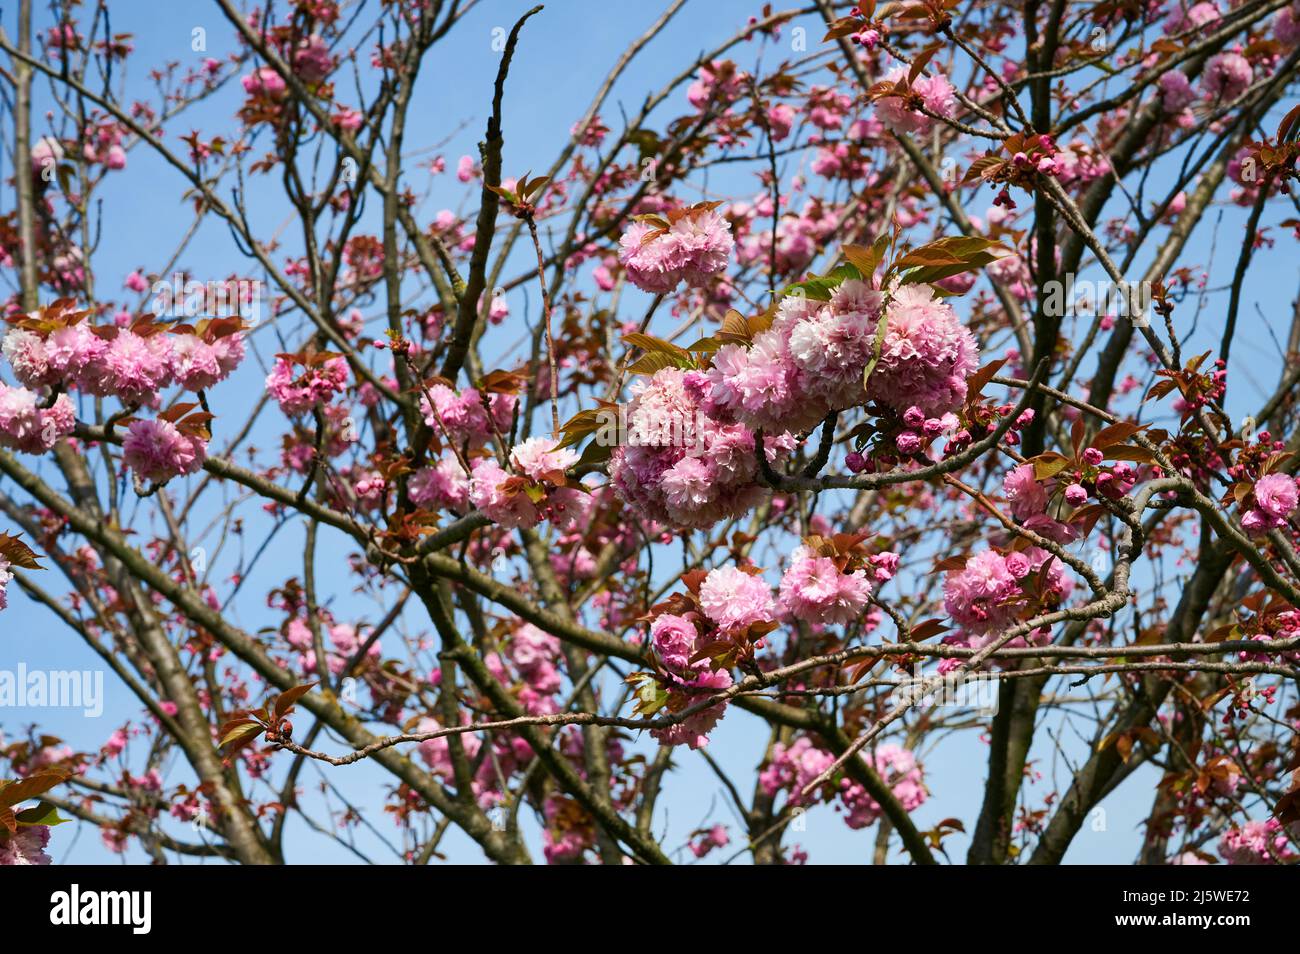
(563, 55)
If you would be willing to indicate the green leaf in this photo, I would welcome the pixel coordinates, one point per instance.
(654, 361)
(654, 345)
(820, 288)
(579, 426)
(595, 453)
(918, 64)
(882, 329)
(243, 733)
(866, 259)
(842, 27)
(934, 273)
(1046, 467)
(43, 814)
(706, 346)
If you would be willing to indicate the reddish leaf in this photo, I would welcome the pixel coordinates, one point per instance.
(38, 783)
(927, 629)
(18, 553)
(919, 64)
(976, 382)
(1115, 434)
(285, 700)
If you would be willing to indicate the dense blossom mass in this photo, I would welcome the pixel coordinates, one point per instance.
(680, 465)
(691, 245)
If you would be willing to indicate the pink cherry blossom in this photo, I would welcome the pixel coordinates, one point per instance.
(157, 451)
(814, 589)
(734, 599)
(694, 247)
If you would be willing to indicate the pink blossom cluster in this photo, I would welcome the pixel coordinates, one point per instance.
(718, 82)
(1275, 501)
(28, 427)
(536, 491)
(26, 846)
(119, 362)
(814, 588)
(567, 836)
(735, 600)
(685, 692)
(102, 143)
(986, 595)
(311, 59)
(936, 93)
(899, 769)
(198, 365)
(691, 245)
(265, 83)
(5, 576)
(798, 237)
(1024, 492)
(1181, 19)
(1286, 27)
(926, 356)
(157, 450)
(703, 842)
(792, 768)
(536, 657)
(509, 753)
(1176, 92)
(46, 153)
(1029, 497)
(1284, 626)
(298, 391)
(675, 639)
(369, 487)
(678, 465)
(343, 644)
(728, 602)
(808, 363)
(1226, 76)
(812, 360)
(1255, 843)
(827, 107)
(915, 437)
(444, 485)
(1076, 164)
(463, 417)
(1244, 169)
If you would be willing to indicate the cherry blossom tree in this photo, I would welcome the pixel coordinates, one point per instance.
(846, 390)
